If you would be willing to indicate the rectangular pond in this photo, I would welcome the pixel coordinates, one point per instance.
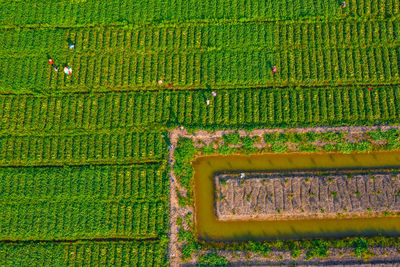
(208, 227)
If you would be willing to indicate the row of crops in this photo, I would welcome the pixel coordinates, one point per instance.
(98, 198)
(144, 253)
(196, 56)
(130, 110)
(142, 182)
(202, 37)
(218, 69)
(80, 149)
(76, 13)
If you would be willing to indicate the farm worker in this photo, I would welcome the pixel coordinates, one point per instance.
(160, 82)
(67, 70)
(343, 4)
(170, 85)
(51, 61)
(370, 88)
(214, 94)
(273, 69)
(208, 101)
(55, 68)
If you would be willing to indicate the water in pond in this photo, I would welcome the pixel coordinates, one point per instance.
(209, 228)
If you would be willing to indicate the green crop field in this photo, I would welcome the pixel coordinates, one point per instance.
(84, 175)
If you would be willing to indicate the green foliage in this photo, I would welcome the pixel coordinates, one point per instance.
(376, 135)
(360, 246)
(185, 150)
(208, 150)
(225, 150)
(307, 148)
(319, 248)
(231, 138)
(212, 259)
(279, 148)
(331, 137)
(295, 137)
(55, 253)
(248, 144)
(184, 153)
(312, 136)
(270, 138)
(262, 248)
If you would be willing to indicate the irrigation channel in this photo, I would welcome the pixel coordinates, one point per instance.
(208, 227)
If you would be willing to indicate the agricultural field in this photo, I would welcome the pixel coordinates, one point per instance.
(90, 172)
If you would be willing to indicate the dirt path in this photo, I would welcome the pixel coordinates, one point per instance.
(209, 137)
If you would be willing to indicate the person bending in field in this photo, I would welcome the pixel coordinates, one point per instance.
(273, 69)
(343, 4)
(67, 70)
(55, 67)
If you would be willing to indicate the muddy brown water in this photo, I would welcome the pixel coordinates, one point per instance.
(209, 228)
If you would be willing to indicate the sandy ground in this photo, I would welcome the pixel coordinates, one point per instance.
(277, 257)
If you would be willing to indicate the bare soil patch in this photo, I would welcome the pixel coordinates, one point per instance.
(300, 195)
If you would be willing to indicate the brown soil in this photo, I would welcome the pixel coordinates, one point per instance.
(299, 195)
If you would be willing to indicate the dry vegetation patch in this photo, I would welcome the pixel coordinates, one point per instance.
(294, 195)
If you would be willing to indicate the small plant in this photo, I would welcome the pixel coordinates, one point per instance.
(278, 210)
(319, 248)
(231, 138)
(223, 182)
(386, 213)
(322, 211)
(248, 197)
(330, 180)
(334, 194)
(360, 246)
(357, 193)
(378, 192)
(369, 209)
(212, 259)
(179, 221)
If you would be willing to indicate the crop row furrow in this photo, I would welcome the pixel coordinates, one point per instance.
(119, 12)
(49, 220)
(272, 36)
(107, 111)
(85, 253)
(135, 182)
(81, 148)
(216, 69)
